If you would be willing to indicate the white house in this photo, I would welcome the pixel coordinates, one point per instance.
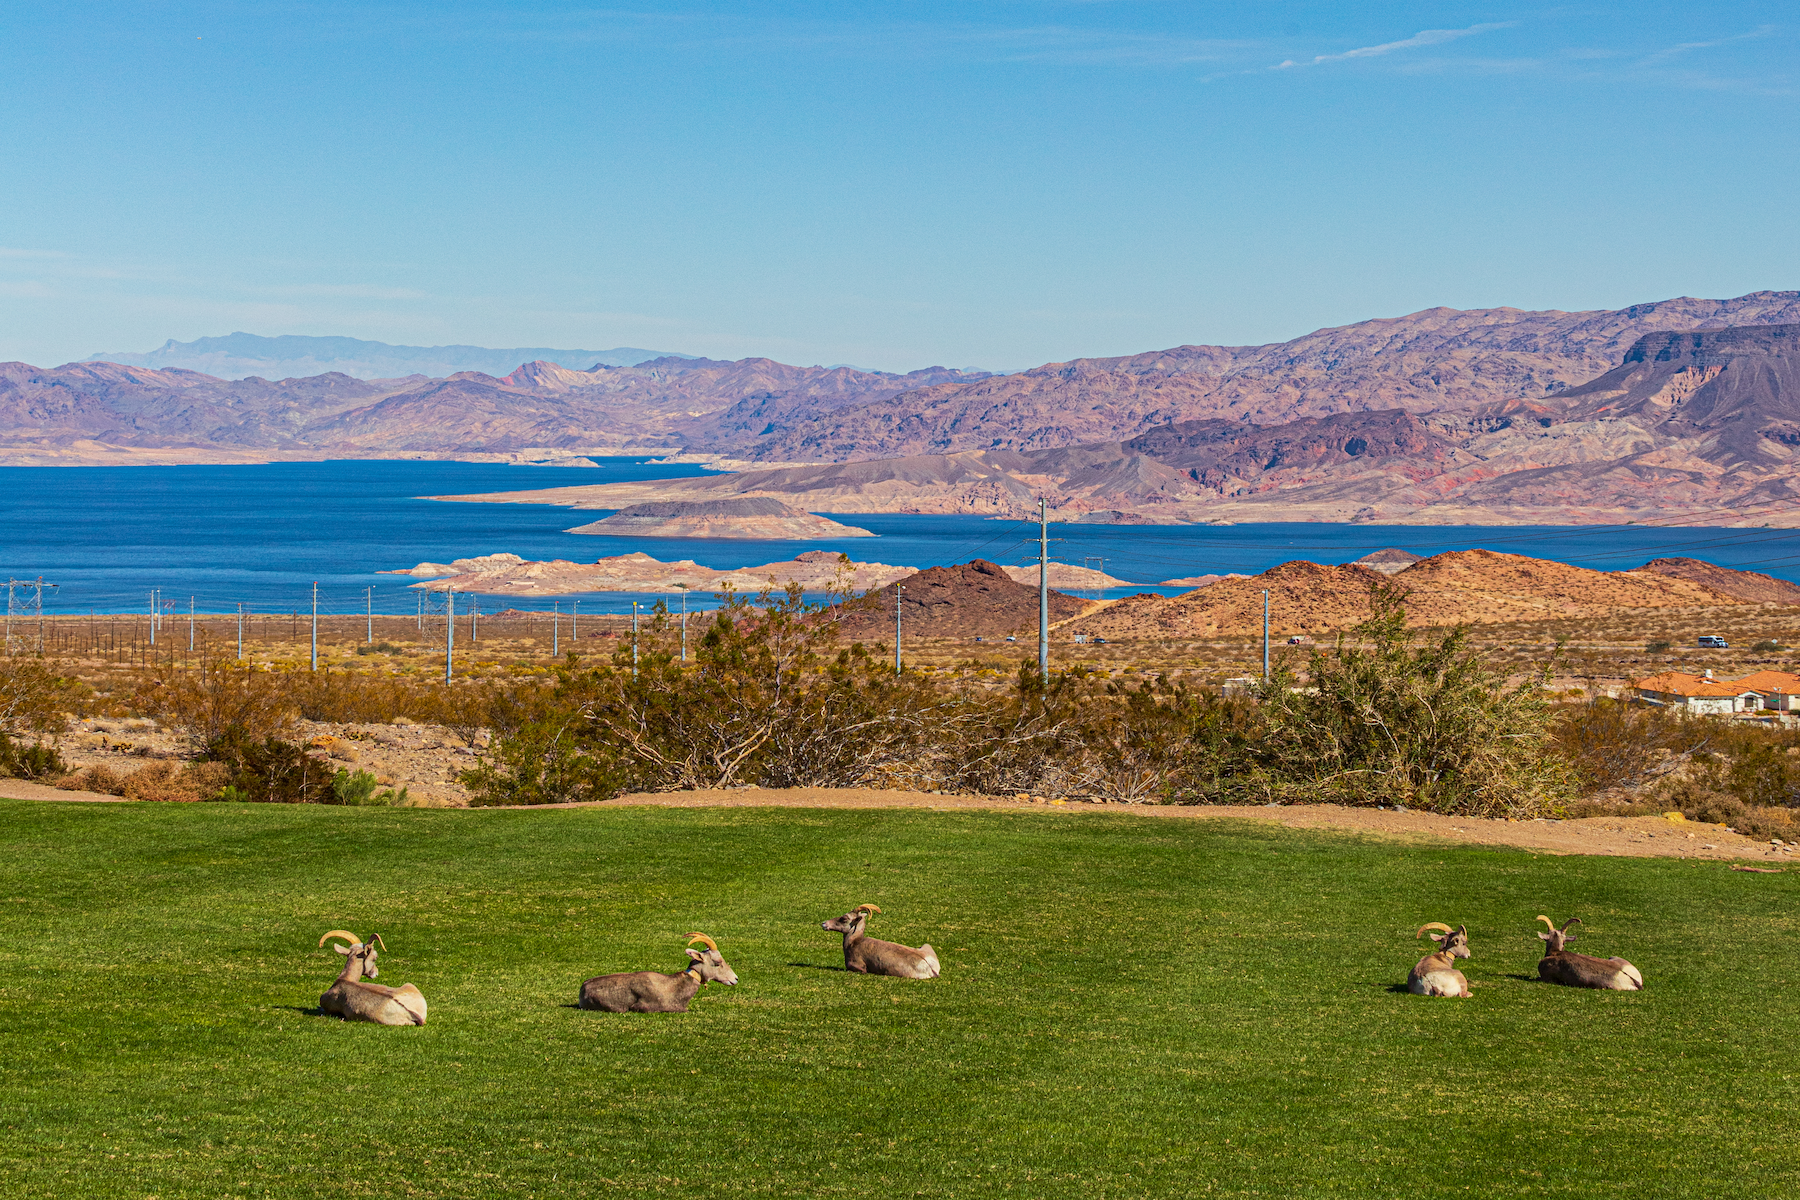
(1699, 695)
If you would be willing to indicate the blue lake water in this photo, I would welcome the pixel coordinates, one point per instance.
(261, 535)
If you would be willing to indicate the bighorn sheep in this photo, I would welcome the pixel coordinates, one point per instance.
(352, 999)
(1582, 970)
(652, 991)
(872, 956)
(1436, 974)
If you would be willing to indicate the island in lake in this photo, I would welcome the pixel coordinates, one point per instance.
(748, 518)
(510, 575)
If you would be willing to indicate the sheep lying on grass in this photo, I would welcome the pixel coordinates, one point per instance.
(352, 999)
(872, 956)
(1436, 974)
(1582, 970)
(653, 991)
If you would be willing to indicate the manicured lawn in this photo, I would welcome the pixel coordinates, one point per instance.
(1129, 1007)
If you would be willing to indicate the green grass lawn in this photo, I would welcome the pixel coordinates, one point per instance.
(1129, 1007)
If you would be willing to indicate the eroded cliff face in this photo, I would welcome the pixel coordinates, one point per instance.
(1701, 423)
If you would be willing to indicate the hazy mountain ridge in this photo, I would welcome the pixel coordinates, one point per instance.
(240, 355)
(1436, 360)
(538, 405)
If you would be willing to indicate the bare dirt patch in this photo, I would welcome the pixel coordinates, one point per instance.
(1641, 837)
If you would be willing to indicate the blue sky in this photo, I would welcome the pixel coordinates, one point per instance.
(892, 185)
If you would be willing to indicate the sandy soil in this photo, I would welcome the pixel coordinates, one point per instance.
(1643, 837)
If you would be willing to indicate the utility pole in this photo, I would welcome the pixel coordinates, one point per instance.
(897, 591)
(153, 616)
(575, 624)
(634, 648)
(369, 599)
(449, 632)
(315, 626)
(1265, 635)
(190, 624)
(556, 629)
(684, 594)
(474, 620)
(240, 631)
(32, 605)
(1043, 593)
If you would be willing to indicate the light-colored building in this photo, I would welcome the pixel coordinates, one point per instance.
(1780, 690)
(1699, 695)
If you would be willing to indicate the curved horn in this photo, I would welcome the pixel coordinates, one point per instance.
(1433, 925)
(343, 933)
(1569, 922)
(376, 938)
(701, 937)
(864, 908)
(1546, 920)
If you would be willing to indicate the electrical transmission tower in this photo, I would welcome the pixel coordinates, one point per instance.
(25, 614)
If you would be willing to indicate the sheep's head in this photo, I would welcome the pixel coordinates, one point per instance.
(1454, 942)
(709, 964)
(852, 921)
(1555, 939)
(362, 953)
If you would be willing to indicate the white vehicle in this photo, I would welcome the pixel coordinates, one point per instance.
(1713, 641)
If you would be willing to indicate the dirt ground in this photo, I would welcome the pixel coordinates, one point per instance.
(1641, 837)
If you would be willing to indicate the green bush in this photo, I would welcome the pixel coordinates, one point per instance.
(1659, 646)
(1766, 646)
(360, 788)
(34, 761)
(270, 771)
(1388, 719)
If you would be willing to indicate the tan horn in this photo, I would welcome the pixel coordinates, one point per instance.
(376, 938)
(1547, 920)
(1433, 925)
(701, 937)
(343, 933)
(1569, 922)
(868, 908)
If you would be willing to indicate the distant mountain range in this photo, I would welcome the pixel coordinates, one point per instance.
(1681, 406)
(241, 355)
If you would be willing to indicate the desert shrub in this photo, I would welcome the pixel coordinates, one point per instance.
(767, 699)
(351, 698)
(33, 760)
(359, 788)
(1698, 798)
(269, 771)
(1393, 718)
(160, 781)
(1659, 646)
(101, 779)
(1611, 743)
(36, 696)
(1766, 646)
(219, 698)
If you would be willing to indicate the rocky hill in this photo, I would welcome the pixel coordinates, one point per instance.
(1460, 587)
(1750, 586)
(975, 599)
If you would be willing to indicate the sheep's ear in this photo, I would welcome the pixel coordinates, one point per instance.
(696, 955)
(1543, 937)
(1436, 937)
(344, 950)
